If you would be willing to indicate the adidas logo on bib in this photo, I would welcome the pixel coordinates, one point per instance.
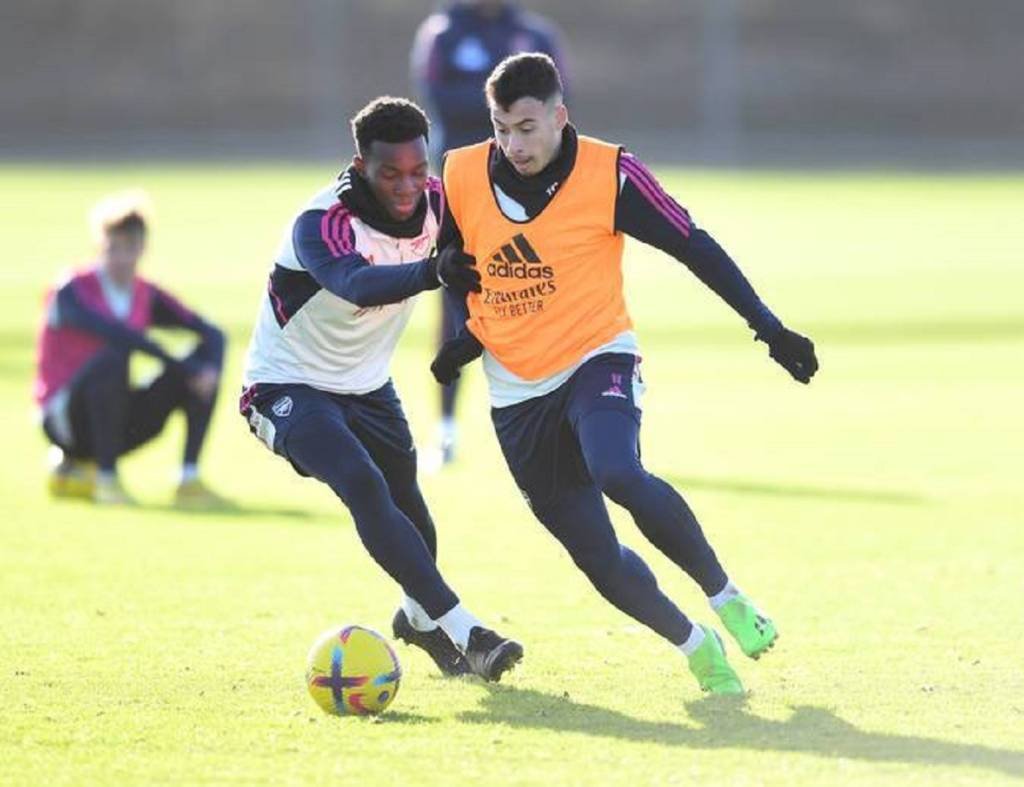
(517, 259)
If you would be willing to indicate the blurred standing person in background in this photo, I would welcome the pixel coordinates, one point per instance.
(452, 55)
(93, 321)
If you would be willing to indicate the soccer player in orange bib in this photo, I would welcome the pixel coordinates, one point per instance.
(544, 211)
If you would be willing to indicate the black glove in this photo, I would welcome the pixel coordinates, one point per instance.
(453, 355)
(793, 352)
(456, 270)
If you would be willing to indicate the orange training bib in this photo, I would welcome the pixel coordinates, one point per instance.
(552, 286)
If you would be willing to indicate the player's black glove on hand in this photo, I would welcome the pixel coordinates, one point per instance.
(793, 352)
(456, 270)
(453, 355)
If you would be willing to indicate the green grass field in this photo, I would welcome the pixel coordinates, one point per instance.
(877, 514)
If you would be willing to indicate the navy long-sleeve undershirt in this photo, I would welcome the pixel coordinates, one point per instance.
(165, 313)
(646, 212)
(347, 274)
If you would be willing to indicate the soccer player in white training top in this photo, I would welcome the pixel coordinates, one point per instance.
(317, 386)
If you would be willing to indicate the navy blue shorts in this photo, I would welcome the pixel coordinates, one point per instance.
(375, 418)
(538, 436)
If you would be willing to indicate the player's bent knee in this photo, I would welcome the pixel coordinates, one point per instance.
(361, 478)
(401, 475)
(316, 443)
(601, 563)
(354, 478)
(620, 481)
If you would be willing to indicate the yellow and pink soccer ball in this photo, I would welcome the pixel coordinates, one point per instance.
(353, 671)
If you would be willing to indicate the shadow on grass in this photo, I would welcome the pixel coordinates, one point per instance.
(725, 723)
(230, 510)
(835, 494)
(403, 717)
(388, 717)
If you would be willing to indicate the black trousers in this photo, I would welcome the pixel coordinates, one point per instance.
(106, 417)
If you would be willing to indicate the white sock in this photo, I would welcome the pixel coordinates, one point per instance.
(729, 592)
(418, 617)
(446, 430)
(693, 641)
(457, 623)
(189, 472)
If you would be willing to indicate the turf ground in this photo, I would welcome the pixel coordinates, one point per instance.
(877, 514)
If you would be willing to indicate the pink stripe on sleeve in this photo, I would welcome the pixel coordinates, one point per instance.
(653, 183)
(336, 234)
(345, 238)
(325, 232)
(652, 191)
(648, 186)
(336, 231)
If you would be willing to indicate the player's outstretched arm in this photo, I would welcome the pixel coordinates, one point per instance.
(336, 266)
(647, 212)
(457, 271)
(793, 352)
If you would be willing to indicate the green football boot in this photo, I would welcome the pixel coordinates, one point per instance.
(753, 631)
(709, 666)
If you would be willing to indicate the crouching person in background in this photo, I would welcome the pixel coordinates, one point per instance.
(94, 320)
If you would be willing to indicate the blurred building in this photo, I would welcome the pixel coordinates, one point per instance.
(918, 82)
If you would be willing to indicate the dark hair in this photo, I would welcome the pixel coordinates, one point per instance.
(527, 75)
(130, 224)
(124, 212)
(388, 119)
